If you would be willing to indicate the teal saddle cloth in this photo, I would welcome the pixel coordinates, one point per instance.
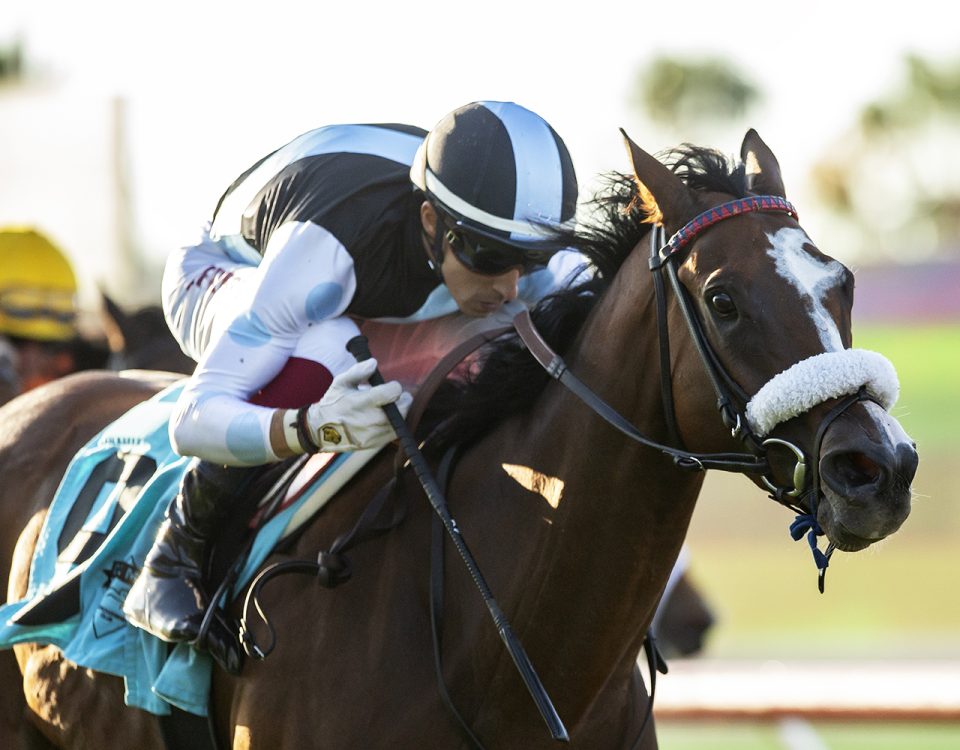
(101, 523)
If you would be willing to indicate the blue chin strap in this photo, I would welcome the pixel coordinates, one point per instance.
(806, 523)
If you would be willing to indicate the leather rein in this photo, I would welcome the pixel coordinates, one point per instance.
(731, 399)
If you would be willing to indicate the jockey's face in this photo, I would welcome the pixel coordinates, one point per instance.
(34, 363)
(476, 294)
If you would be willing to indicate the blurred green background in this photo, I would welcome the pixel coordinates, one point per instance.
(898, 598)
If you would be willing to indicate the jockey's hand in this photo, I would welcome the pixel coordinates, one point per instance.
(350, 415)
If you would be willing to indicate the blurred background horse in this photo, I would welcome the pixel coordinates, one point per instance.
(139, 339)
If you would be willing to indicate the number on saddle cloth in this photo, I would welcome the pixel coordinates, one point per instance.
(87, 525)
(122, 474)
(114, 488)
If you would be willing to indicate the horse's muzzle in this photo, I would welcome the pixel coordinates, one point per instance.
(867, 466)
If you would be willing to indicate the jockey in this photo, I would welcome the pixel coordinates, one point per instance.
(320, 239)
(40, 339)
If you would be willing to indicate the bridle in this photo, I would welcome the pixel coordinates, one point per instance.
(665, 259)
(732, 400)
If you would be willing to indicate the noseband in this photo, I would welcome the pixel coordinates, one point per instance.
(852, 375)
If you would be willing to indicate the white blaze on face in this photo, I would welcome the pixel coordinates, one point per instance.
(812, 277)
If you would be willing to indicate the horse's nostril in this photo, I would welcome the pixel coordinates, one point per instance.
(856, 469)
(907, 462)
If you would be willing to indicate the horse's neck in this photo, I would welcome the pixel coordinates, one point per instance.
(623, 510)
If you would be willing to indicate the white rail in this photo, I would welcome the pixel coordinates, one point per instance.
(881, 690)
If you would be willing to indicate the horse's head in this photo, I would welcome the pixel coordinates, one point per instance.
(773, 316)
(141, 340)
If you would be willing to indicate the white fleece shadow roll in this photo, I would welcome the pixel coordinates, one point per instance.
(819, 378)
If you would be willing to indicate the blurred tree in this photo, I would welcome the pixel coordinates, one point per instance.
(11, 62)
(894, 175)
(693, 99)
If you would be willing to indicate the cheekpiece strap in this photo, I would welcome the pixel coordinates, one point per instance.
(702, 222)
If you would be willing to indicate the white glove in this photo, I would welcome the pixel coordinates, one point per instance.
(351, 416)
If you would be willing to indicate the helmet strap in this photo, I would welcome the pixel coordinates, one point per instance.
(435, 252)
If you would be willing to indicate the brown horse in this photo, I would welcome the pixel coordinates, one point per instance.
(683, 617)
(32, 463)
(140, 339)
(575, 526)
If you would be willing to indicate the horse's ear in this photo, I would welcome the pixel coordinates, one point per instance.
(114, 320)
(665, 197)
(763, 171)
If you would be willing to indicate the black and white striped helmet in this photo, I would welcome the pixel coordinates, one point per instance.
(499, 171)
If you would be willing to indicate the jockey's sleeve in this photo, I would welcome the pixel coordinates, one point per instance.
(304, 283)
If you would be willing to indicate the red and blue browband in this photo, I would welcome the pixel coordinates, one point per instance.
(702, 222)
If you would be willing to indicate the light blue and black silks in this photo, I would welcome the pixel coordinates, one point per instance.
(100, 525)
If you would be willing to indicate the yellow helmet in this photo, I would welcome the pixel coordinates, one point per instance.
(38, 288)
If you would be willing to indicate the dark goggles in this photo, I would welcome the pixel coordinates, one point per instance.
(490, 258)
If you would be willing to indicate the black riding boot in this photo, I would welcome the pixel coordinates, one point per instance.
(168, 598)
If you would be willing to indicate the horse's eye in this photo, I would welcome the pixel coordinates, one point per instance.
(722, 304)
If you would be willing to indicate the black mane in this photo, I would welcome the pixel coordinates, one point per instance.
(508, 379)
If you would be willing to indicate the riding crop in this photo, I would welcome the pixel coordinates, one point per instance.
(359, 348)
